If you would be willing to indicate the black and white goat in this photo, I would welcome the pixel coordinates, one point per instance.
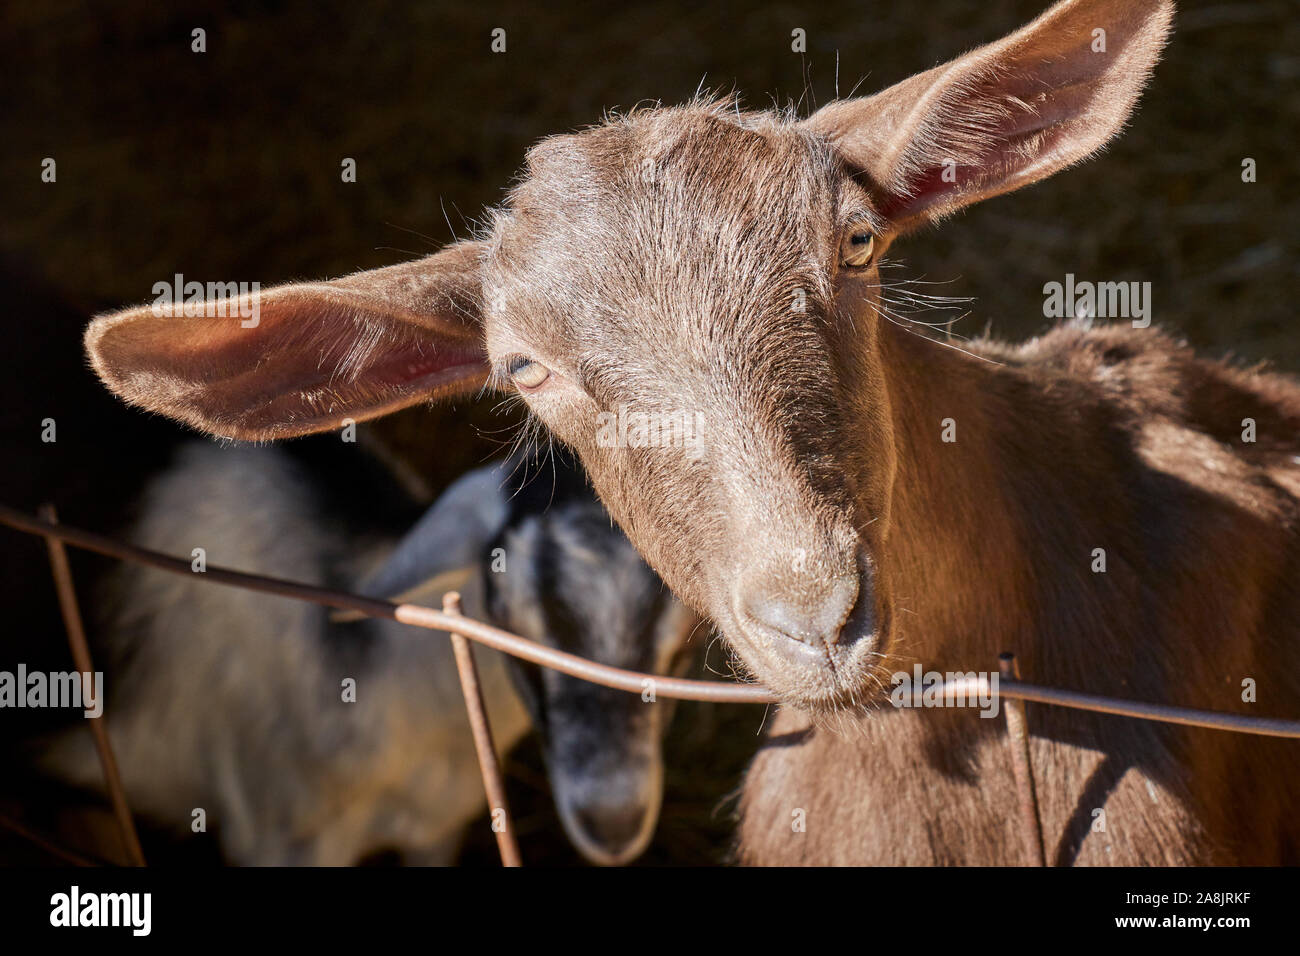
(306, 740)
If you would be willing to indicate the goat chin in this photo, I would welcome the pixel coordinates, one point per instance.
(855, 680)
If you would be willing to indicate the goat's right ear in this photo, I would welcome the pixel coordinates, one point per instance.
(1002, 116)
(303, 357)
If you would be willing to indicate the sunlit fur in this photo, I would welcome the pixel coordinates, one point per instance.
(686, 260)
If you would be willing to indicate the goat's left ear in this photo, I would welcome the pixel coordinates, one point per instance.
(309, 355)
(1002, 116)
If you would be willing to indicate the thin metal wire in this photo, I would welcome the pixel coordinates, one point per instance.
(490, 767)
(67, 592)
(1160, 713)
(461, 628)
(618, 678)
(36, 838)
(1022, 766)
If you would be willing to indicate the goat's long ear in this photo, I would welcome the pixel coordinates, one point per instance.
(304, 357)
(1002, 116)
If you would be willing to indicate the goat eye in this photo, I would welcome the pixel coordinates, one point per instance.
(526, 373)
(857, 248)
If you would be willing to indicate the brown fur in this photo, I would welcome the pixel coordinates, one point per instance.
(697, 260)
(1110, 438)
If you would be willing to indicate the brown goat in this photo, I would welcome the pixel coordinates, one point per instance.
(851, 497)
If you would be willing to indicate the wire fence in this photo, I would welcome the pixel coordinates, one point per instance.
(1015, 691)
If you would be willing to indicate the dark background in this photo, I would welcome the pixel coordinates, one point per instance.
(225, 166)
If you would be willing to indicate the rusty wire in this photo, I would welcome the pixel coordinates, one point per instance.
(615, 677)
(72, 623)
(38, 839)
(413, 614)
(460, 628)
(1031, 825)
(489, 765)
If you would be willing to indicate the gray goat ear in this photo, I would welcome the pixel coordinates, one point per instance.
(429, 592)
(451, 537)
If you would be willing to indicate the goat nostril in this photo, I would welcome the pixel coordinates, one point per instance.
(815, 622)
(781, 618)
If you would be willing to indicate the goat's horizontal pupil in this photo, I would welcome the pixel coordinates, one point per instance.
(861, 239)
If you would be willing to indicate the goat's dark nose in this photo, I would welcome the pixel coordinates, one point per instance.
(613, 829)
(812, 617)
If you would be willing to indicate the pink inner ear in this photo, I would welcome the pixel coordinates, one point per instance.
(316, 358)
(400, 370)
(410, 363)
(318, 364)
(1024, 123)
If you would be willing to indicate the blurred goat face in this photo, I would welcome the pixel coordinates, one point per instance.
(674, 296)
(574, 582)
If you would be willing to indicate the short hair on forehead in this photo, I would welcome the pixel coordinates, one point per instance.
(713, 134)
(627, 218)
(618, 129)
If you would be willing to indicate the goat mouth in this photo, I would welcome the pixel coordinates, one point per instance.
(846, 674)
